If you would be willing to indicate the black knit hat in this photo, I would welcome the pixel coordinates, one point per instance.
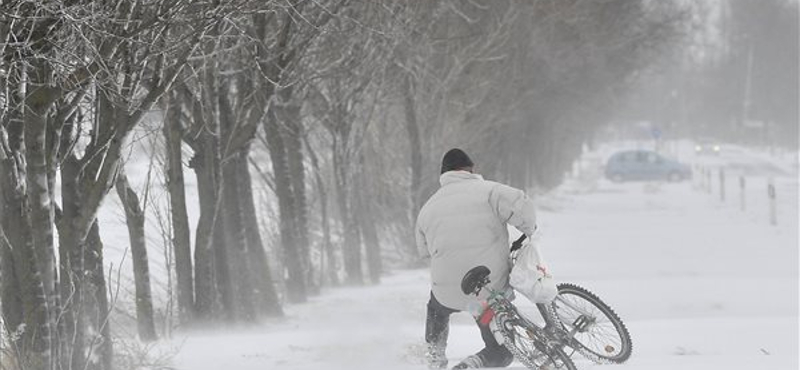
(455, 159)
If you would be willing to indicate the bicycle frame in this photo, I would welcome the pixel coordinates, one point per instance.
(496, 302)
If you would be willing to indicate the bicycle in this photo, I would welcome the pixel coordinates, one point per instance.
(576, 319)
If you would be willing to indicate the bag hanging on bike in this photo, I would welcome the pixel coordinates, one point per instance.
(530, 277)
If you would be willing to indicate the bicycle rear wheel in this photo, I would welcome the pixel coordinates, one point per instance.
(600, 334)
(525, 341)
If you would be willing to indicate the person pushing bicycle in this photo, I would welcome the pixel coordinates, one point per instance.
(463, 224)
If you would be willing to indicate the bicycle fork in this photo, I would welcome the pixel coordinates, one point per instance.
(555, 335)
(583, 321)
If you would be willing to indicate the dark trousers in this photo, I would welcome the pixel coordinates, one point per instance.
(437, 329)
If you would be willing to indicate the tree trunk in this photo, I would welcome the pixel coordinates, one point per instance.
(204, 164)
(415, 148)
(141, 269)
(96, 304)
(367, 220)
(352, 238)
(40, 215)
(236, 243)
(267, 297)
(33, 345)
(22, 290)
(10, 284)
(32, 348)
(86, 336)
(213, 283)
(294, 154)
(296, 284)
(12, 226)
(11, 293)
(225, 280)
(180, 221)
(73, 270)
(235, 240)
(327, 246)
(327, 253)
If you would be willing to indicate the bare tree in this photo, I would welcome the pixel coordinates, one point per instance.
(180, 220)
(283, 51)
(77, 105)
(135, 215)
(343, 96)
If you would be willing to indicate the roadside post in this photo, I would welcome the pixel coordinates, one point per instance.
(773, 212)
(722, 184)
(742, 187)
(703, 180)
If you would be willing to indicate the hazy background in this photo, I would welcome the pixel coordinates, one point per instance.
(184, 181)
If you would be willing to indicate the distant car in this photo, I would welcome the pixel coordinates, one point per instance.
(707, 148)
(645, 165)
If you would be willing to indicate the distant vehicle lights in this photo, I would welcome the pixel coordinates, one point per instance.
(707, 149)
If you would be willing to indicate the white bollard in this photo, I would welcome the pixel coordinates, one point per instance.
(742, 203)
(773, 211)
(701, 175)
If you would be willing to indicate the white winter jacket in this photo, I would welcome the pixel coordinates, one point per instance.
(463, 225)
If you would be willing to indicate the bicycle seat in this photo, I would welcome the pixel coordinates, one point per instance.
(475, 279)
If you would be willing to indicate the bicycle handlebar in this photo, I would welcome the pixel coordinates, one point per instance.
(517, 244)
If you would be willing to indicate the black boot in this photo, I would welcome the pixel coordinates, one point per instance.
(472, 362)
(437, 328)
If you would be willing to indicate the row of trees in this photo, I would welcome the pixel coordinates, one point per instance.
(341, 108)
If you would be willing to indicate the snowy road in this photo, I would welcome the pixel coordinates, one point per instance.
(700, 285)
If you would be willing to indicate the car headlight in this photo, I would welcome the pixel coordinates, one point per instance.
(698, 148)
(716, 148)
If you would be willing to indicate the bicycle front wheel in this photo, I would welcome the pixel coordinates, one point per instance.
(525, 341)
(599, 334)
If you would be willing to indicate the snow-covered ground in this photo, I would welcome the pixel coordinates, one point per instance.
(699, 283)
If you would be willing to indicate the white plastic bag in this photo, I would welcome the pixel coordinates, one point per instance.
(530, 277)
